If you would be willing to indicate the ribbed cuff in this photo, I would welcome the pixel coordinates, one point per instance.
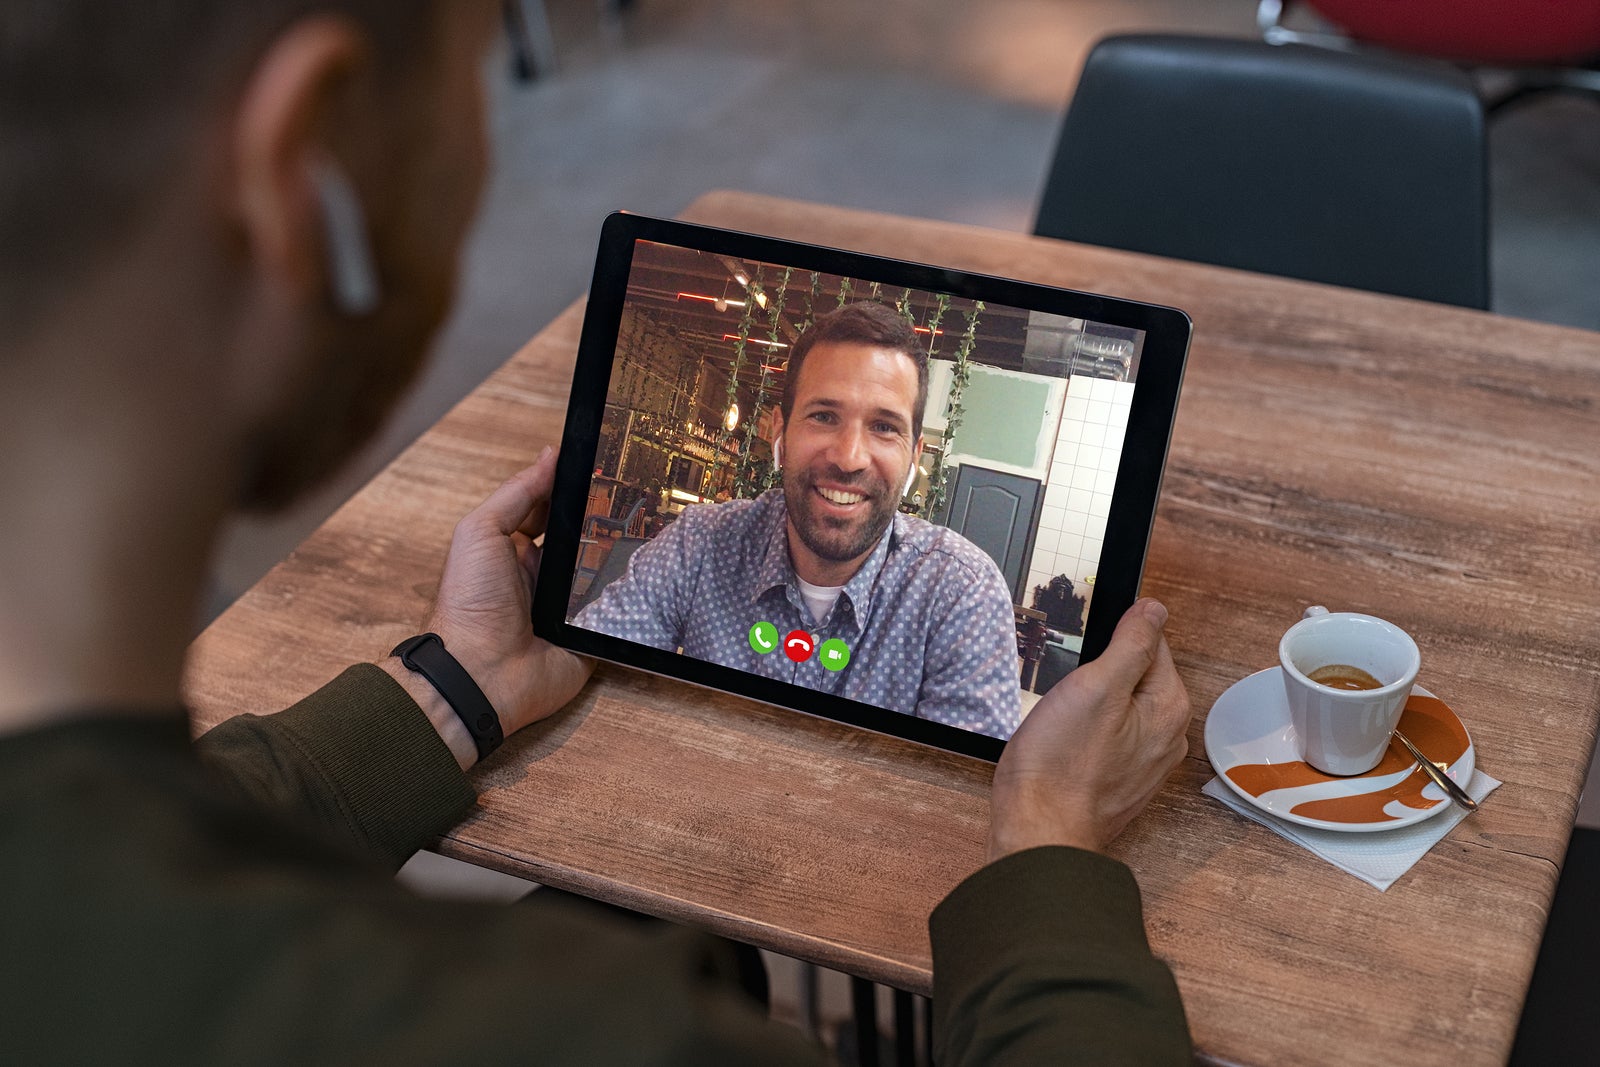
(1041, 957)
(1027, 897)
(398, 781)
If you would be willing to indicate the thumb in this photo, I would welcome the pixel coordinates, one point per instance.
(510, 507)
(1134, 646)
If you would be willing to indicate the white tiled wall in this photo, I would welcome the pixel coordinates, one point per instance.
(1083, 471)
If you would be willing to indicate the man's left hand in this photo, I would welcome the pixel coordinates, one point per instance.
(482, 613)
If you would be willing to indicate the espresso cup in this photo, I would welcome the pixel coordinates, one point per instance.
(1345, 731)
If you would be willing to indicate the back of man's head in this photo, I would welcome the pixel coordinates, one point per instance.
(864, 323)
(101, 105)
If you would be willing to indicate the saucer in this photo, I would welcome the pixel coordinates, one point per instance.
(1252, 746)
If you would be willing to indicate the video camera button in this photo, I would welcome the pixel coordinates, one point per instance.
(834, 654)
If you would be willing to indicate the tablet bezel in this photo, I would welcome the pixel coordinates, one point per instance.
(1128, 526)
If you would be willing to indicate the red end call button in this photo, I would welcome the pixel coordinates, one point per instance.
(797, 646)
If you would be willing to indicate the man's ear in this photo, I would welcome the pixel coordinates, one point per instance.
(288, 113)
(777, 437)
(916, 458)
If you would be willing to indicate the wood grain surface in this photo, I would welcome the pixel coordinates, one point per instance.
(1431, 465)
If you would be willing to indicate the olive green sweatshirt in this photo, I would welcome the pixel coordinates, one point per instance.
(231, 901)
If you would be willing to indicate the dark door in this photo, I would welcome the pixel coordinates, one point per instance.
(998, 512)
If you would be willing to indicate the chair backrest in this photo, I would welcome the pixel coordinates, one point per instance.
(1358, 170)
(615, 565)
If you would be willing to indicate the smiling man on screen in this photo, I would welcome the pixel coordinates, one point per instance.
(924, 612)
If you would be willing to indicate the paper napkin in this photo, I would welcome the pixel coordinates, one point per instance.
(1377, 858)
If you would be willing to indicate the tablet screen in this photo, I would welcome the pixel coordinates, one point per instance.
(895, 495)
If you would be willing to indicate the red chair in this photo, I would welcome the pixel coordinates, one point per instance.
(1550, 44)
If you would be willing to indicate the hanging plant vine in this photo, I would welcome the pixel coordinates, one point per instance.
(660, 388)
(940, 306)
(844, 291)
(622, 384)
(809, 315)
(959, 378)
(752, 477)
(724, 435)
(903, 305)
(632, 387)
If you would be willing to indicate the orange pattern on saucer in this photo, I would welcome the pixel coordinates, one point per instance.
(1427, 721)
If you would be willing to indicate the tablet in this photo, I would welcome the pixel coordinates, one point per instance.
(896, 495)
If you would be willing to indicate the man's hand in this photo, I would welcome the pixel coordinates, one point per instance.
(1097, 747)
(481, 613)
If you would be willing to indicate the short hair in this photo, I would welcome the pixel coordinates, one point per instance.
(865, 323)
(100, 105)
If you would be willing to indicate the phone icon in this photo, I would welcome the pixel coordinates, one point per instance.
(797, 646)
(764, 638)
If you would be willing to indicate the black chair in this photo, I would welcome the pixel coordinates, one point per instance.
(612, 568)
(1358, 170)
(595, 523)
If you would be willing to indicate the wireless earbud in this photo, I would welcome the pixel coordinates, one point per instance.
(777, 453)
(911, 478)
(352, 278)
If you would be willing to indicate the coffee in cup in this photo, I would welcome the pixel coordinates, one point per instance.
(1347, 677)
(1344, 676)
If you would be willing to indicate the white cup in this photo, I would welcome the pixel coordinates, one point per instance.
(1345, 731)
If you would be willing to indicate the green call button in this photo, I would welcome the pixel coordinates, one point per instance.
(764, 637)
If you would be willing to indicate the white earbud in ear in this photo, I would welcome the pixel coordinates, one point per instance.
(352, 277)
(777, 453)
(911, 477)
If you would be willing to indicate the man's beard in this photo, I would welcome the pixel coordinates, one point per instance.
(353, 385)
(833, 539)
(304, 449)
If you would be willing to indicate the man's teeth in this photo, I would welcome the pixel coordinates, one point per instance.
(841, 497)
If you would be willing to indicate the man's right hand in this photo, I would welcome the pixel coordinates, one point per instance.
(1096, 747)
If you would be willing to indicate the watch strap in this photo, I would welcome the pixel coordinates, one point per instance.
(427, 655)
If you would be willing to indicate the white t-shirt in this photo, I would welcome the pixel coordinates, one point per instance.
(819, 598)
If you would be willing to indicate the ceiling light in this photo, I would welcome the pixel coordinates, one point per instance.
(721, 303)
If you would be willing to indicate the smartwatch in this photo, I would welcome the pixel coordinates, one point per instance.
(426, 655)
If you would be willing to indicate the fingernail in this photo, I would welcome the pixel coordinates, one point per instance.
(545, 454)
(1156, 612)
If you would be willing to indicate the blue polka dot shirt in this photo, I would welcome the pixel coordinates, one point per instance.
(928, 619)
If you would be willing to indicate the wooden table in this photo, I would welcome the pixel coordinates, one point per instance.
(1435, 466)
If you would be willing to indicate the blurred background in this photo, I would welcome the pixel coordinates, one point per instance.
(944, 109)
